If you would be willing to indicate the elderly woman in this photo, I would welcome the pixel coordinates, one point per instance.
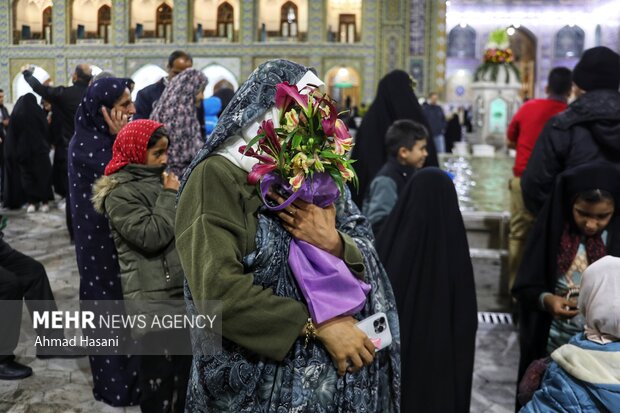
(105, 108)
(233, 251)
(178, 110)
(583, 376)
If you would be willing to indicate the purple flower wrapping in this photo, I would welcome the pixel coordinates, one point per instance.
(327, 284)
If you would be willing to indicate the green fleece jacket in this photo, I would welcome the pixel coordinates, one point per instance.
(141, 215)
(215, 229)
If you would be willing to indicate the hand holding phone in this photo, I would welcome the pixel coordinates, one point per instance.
(377, 329)
(349, 347)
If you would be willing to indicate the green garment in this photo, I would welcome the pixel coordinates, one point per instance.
(141, 215)
(215, 229)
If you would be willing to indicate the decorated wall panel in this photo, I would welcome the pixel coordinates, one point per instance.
(123, 58)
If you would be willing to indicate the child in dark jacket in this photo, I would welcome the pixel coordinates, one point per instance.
(405, 142)
(139, 199)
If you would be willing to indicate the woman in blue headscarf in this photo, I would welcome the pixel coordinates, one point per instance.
(105, 108)
(234, 251)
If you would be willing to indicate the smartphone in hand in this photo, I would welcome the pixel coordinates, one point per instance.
(377, 329)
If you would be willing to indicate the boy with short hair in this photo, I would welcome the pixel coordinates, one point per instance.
(405, 143)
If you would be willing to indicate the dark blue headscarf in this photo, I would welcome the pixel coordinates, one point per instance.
(104, 92)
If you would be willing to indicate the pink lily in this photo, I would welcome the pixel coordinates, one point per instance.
(342, 140)
(342, 132)
(265, 159)
(258, 171)
(269, 130)
(329, 122)
(265, 165)
(286, 94)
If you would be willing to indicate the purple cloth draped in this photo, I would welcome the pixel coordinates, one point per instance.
(329, 287)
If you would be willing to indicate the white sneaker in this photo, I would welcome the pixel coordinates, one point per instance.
(31, 208)
(45, 208)
(62, 204)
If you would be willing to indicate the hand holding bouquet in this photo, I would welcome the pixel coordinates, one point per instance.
(304, 153)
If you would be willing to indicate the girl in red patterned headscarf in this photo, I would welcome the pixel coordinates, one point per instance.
(139, 197)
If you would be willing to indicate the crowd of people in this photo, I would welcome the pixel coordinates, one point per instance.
(160, 210)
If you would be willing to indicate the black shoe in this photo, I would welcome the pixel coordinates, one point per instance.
(64, 352)
(12, 370)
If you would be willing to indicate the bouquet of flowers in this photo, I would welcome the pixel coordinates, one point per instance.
(303, 152)
(306, 140)
(497, 55)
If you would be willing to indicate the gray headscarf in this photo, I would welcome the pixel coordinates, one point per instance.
(250, 102)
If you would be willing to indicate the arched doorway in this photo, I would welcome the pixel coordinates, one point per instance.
(104, 22)
(225, 20)
(164, 22)
(47, 24)
(219, 77)
(462, 42)
(145, 76)
(288, 19)
(569, 42)
(343, 85)
(20, 87)
(216, 20)
(32, 22)
(344, 21)
(523, 45)
(151, 21)
(90, 21)
(283, 20)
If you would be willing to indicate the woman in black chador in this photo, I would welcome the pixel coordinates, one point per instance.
(424, 249)
(28, 167)
(395, 100)
(578, 225)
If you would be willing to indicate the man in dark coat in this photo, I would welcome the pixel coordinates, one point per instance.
(589, 130)
(22, 277)
(436, 120)
(146, 99)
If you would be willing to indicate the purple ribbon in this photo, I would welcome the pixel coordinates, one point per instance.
(320, 190)
(327, 284)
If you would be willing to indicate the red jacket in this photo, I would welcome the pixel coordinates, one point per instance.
(527, 124)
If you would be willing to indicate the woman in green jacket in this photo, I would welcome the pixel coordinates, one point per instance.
(138, 197)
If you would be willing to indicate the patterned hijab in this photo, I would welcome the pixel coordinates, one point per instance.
(176, 108)
(131, 144)
(251, 101)
(104, 92)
